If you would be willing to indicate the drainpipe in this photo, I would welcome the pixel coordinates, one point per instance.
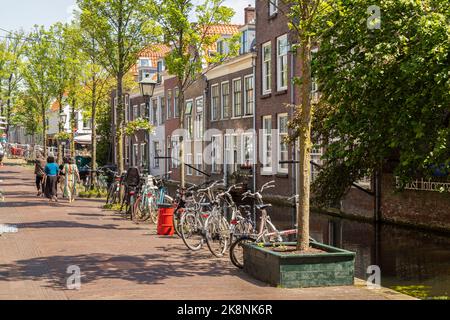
(377, 187)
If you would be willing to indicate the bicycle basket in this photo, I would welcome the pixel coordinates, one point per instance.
(132, 177)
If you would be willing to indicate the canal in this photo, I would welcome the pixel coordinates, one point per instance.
(411, 261)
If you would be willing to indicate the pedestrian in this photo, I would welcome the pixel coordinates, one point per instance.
(51, 179)
(2, 154)
(39, 171)
(61, 179)
(71, 178)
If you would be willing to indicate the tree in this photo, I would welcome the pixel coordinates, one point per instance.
(304, 18)
(189, 43)
(26, 113)
(37, 72)
(60, 71)
(385, 93)
(121, 29)
(10, 60)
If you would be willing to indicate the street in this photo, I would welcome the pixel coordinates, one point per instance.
(117, 259)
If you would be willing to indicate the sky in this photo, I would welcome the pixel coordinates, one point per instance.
(17, 14)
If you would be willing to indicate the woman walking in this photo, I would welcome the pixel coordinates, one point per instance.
(51, 179)
(71, 177)
(39, 168)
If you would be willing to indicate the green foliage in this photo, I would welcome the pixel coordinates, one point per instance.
(385, 93)
(132, 127)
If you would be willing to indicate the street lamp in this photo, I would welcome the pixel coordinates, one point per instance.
(147, 86)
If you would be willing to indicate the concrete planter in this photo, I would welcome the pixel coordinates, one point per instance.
(336, 267)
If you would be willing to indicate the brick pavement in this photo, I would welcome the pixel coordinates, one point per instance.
(117, 259)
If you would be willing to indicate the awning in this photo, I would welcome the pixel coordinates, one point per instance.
(84, 139)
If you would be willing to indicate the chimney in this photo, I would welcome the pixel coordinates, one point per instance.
(250, 14)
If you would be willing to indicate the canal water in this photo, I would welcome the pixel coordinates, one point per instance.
(411, 261)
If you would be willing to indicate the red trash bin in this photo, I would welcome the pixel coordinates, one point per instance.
(165, 220)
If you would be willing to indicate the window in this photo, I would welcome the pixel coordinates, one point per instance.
(135, 112)
(143, 162)
(127, 151)
(188, 120)
(226, 105)
(155, 112)
(177, 109)
(237, 98)
(215, 103)
(267, 67)
(273, 7)
(267, 144)
(282, 63)
(87, 124)
(198, 164)
(163, 109)
(160, 69)
(156, 152)
(231, 153)
(145, 73)
(169, 104)
(244, 44)
(143, 111)
(248, 149)
(283, 150)
(215, 154)
(189, 162)
(175, 151)
(223, 47)
(199, 119)
(249, 97)
(144, 62)
(135, 154)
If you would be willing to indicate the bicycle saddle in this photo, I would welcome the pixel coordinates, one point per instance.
(263, 206)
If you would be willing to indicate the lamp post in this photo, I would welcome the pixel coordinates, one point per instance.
(147, 86)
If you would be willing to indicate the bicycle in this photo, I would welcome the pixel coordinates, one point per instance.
(192, 224)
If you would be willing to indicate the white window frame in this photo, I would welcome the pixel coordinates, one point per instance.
(245, 136)
(273, 7)
(246, 113)
(267, 166)
(199, 164)
(156, 147)
(229, 98)
(218, 107)
(142, 160)
(280, 142)
(189, 161)
(190, 135)
(215, 153)
(135, 154)
(282, 59)
(234, 115)
(266, 69)
(199, 125)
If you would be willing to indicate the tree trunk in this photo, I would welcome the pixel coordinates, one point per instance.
(94, 134)
(120, 123)
(73, 126)
(44, 130)
(60, 129)
(181, 107)
(8, 106)
(305, 147)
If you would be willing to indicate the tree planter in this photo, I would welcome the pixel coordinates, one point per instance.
(335, 267)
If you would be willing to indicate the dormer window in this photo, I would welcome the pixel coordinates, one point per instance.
(273, 7)
(223, 47)
(144, 62)
(247, 38)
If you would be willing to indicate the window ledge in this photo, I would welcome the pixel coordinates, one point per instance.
(281, 92)
(266, 95)
(282, 175)
(266, 173)
(247, 116)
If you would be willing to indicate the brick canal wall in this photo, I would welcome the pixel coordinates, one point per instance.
(424, 209)
(429, 209)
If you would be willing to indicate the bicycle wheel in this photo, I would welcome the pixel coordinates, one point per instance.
(237, 251)
(153, 209)
(217, 235)
(177, 215)
(191, 229)
(141, 214)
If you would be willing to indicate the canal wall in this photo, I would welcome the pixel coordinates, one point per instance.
(423, 209)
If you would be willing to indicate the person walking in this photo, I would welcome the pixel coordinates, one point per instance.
(39, 171)
(61, 178)
(51, 179)
(71, 177)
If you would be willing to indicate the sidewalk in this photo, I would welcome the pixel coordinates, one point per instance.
(118, 259)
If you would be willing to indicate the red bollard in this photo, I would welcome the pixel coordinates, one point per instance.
(165, 220)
